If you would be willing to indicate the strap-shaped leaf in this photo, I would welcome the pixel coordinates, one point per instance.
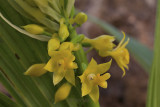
(44, 6)
(55, 4)
(38, 37)
(70, 5)
(153, 99)
(7, 102)
(11, 88)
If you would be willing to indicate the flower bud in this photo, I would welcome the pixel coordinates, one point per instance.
(63, 92)
(34, 29)
(53, 45)
(63, 31)
(80, 18)
(36, 70)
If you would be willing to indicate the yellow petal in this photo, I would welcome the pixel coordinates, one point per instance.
(53, 44)
(103, 84)
(98, 43)
(62, 54)
(50, 66)
(66, 46)
(126, 57)
(58, 75)
(70, 77)
(36, 70)
(92, 67)
(105, 76)
(102, 68)
(72, 65)
(86, 87)
(63, 92)
(124, 45)
(94, 94)
(121, 42)
(51, 53)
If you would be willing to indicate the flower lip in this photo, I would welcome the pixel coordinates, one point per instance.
(91, 76)
(61, 62)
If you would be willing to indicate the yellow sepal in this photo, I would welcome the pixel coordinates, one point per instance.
(69, 46)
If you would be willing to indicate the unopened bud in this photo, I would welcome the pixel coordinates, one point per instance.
(34, 29)
(63, 31)
(80, 18)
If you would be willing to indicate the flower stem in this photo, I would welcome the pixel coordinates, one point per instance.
(80, 60)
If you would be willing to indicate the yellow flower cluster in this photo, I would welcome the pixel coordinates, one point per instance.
(62, 62)
(62, 59)
(105, 47)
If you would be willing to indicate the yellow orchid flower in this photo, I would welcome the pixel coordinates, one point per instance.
(63, 92)
(61, 63)
(102, 43)
(92, 77)
(120, 54)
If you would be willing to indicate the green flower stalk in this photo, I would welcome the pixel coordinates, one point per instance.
(54, 21)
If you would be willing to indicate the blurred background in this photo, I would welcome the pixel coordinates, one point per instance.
(136, 18)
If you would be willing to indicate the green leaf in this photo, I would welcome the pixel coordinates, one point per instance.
(10, 87)
(6, 101)
(55, 4)
(38, 37)
(43, 5)
(141, 53)
(70, 5)
(17, 53)
(153, 97)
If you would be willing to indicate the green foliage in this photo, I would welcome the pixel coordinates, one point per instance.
(17, 53)
(154, 87)
(7, 102)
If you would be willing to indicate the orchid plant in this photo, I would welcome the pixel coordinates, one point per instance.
(63, 76)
